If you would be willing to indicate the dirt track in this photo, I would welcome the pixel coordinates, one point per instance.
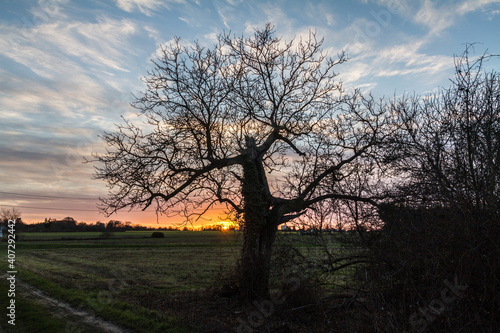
(77, 320)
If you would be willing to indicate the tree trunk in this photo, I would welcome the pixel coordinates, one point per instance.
(255, 264)
(259, 229)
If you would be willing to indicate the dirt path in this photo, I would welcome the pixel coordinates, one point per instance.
(76, 318)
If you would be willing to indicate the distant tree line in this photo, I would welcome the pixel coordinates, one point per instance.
(69, 224)
(216, 227)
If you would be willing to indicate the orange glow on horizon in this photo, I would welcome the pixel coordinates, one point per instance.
(146, 218)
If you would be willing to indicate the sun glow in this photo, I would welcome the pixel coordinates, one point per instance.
(226, 226)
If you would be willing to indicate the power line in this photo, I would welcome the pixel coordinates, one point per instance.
(49, 208)
(65, 209)
(45, 196)
(67, 198)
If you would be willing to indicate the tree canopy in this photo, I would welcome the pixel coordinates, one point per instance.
(205, 106)
(259, 124)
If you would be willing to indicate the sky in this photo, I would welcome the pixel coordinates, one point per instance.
(69, 70)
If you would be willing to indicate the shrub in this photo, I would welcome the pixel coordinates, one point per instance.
(157, 234)
(106, 234)
(420, 253)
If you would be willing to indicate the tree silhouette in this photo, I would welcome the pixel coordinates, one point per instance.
(444, 220)
(259, 124)
(449, 144)
(13, 214)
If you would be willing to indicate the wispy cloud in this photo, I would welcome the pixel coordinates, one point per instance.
(492, 14)
(274, 14)
(62, 82)
(374, 61)
(320, 13)
(435, 19)
(223, 17)
(468, 6)
(61, 48)
(147, 7)
(436, 16)
(407, 56)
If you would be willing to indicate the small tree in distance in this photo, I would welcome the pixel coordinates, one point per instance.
(13, 214)
(259, 124)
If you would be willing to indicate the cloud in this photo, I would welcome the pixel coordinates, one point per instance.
(62, 81)
(383, 56)
(411, 60)
(40, 160)
(493, 13)
(62, 50)
(274, 14)
(401, 7)
(73, 63)
(468, 6)
(184, 20)
(436, 16)
(403, 66)
(320, 13)
(355, 39)
(147, 7)
(436, 19)
(225, 18)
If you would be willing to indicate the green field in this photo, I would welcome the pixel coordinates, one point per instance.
(140, 283)
(111, 275)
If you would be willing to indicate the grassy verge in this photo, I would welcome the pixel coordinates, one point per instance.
(30, 316)
(34, 316)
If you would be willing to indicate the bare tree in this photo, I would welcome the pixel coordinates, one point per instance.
(445, 223)
(13, 214)
(258, 124)
(450, 142)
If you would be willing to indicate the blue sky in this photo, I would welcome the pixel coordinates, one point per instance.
(68, 70)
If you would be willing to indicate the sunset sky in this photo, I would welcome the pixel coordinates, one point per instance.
(68, 70)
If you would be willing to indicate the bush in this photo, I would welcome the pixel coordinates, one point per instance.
(106, 235)
(421, 253)
(157, 234)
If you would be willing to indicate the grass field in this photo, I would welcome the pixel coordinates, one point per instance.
(104, 274)
(126, 278)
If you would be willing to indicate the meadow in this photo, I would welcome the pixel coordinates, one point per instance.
(131, 282)
(112, 276)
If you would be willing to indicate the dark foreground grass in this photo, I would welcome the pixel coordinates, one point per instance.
(33, 315)
(30, 316)
(106, 276)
